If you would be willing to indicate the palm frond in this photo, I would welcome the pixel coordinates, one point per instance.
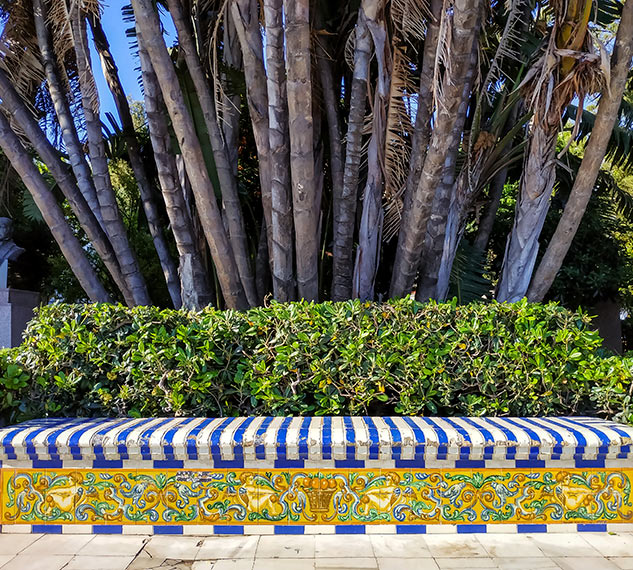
(468, 281)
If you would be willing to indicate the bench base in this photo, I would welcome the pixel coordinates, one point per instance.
(172, 498)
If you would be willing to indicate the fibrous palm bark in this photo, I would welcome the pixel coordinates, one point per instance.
(304, 188)
(226, 176)
(148, 201)
(462, 21)
(71, 140)
(592, 160)
(282, 223)
(194, 283)
(15, 106)
(113, 224)
(149, 25)
(53, 216)
(245, 15)
(370, 230)
(344, 202)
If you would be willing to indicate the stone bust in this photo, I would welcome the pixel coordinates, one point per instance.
(8, 249)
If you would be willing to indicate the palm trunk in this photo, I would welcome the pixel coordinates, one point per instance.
(282, 227)
(445, 200)
(484, 231)
(422, 130)
(331, 103)
(232, 57)
(228, 181)
(535, 189)
(304, 191)
(246, 20)
(591, 162)
(464, 29)
(146, 190)
(62, 110)
(53, 216)
(370, 230)
(194, 284)
(113, 224)
(149, 25)
(15, 105)
(344, 203)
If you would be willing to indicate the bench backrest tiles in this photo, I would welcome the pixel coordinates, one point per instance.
(323, 474)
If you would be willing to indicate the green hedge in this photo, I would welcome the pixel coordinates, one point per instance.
(400, 357)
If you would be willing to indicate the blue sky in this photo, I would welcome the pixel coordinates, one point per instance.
(115, 27)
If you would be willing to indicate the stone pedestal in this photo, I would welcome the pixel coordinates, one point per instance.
(16, 310)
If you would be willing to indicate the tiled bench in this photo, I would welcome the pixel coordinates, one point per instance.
(316, 475)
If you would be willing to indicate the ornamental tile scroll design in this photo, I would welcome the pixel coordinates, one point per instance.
(363, 496)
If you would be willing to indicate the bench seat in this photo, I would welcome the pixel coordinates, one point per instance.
(315, 474)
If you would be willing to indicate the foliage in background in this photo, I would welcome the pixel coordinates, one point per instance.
(400, 357)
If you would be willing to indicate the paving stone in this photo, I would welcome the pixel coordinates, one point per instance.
(465, 563)
(509, 545)
(113, 545)
(355, 563)
(99, 563)
(525, 563)
(174, 546)
(610, 544)
(411, 564)
(285, 546)
(588, 563)
(59, 544)
(455, 546)
(281, 564)
(339, 546)
(14, 543)
(229, 565)
(219, 547)
(625, 562)
(37, 562)
(400, 546)
(562, 545)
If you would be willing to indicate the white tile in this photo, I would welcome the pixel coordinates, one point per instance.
(281, 564)
(625, 563)
(538, 563)
(99, 563)
(228, 547)
(16, 529)
(15, 543)
(441, 529)
(562, 527)
(209, 564)
(411, 564)
(455, 546)
(319, 529)
(465, 563)
(138, 529)
(4, 558)
(228, 565)
(610, 544)
(199, 530)
(174, 546)
(286, 546)
(39, 562)
(501, 529)
(589, 563)
(345, 563)
(562, 545)
(509, 546)
(76, 529)
(400, 546)
(113, 545)
(144, 561)
(380, 529)
(343, 546)
(58, 544)
(611, 527)
(259, 529)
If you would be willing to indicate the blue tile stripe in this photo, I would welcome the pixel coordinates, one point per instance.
(410, 440)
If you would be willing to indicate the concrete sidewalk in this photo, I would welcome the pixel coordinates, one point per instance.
(577, 551)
